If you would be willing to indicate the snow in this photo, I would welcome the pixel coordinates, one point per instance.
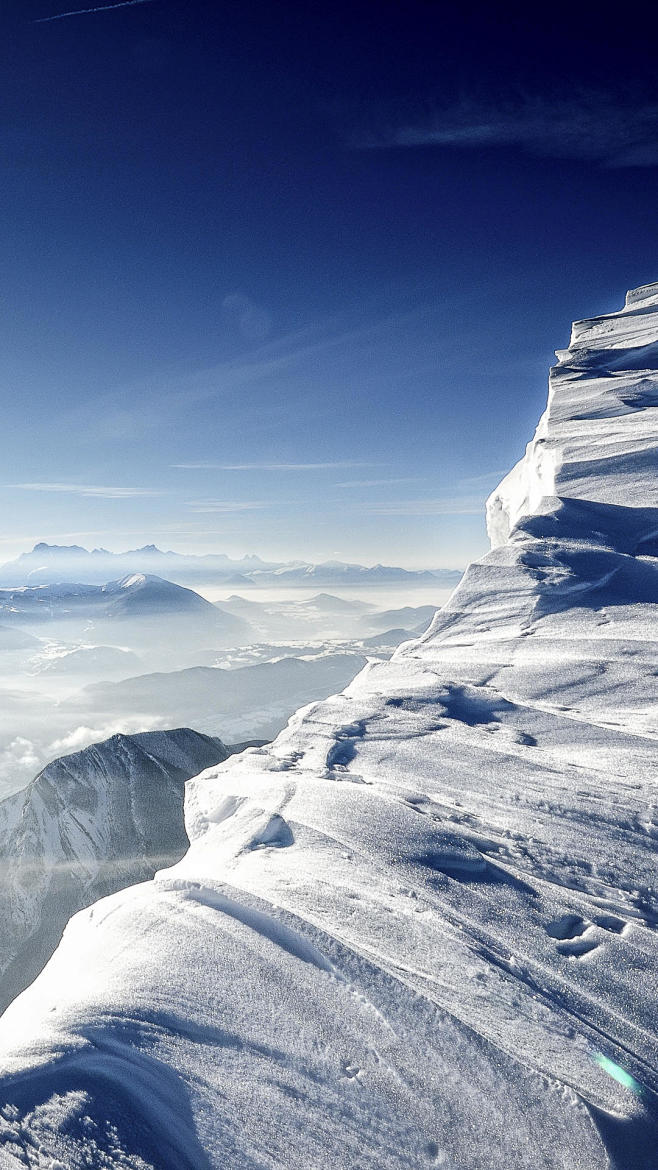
(133, 580)
(419, 929)
(597, 438)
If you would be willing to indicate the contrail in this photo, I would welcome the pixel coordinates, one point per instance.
(83, 11)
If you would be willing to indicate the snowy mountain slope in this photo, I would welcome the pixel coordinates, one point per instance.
(326, 603)
(136, 595)
(140, 594)
(409, 617)
(132, 609)
(105, 661)
(388, 640)
(251, 701)
(419, 929)
(282, 619)
(89, 824)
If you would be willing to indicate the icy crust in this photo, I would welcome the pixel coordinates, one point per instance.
(417, 930)
(598, 437)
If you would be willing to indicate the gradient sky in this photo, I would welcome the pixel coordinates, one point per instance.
(286, 278)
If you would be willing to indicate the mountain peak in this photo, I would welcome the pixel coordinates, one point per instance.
(134, 580)
(43, 547)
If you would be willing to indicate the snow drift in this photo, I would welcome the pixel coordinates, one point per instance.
(419, 929)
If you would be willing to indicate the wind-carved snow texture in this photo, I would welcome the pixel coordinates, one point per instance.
(419, 929)
(88, 825)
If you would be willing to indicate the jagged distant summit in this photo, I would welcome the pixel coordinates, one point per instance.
(53, 563)
(419, 926)
(44, 549)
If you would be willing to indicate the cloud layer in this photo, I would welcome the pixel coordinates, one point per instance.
(224, 507)
(93, 491)
(614, 131)
(267, 466)
(457, 506)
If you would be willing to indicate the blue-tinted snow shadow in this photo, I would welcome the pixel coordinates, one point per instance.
(631, 1143)
(609, 554)
(610, 361)
(453, 701)
(127, 1102)
(479, 871)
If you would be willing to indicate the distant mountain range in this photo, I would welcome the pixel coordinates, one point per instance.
(52, 563)
(339, 573)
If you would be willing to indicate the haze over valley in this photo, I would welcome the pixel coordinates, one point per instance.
(81, 660)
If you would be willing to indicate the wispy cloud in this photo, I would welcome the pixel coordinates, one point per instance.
(367, 483)
(272, 373)
(458, 506)
(87, 11)
(612, 130)
(226, 506)
(82, 736)
(268, 466)
(91, 490)
(252, 321)
(485, 482)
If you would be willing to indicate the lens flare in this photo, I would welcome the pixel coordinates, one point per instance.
(618, 1073)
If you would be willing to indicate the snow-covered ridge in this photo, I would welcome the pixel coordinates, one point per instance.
(647, 293)
(602, 393)
(420, 928)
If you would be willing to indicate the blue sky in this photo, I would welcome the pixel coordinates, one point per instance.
(289, 280)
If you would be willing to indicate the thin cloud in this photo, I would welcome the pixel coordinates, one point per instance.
(366, 483)
(252, 321)
(90, 490)
(589, 125)
(87, 11)
(438, 507)
(226, 506)
(287, 357)
(267, 466)
(81, 737)
(489, 480)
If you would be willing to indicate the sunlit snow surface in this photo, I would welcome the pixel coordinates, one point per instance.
(420, 928)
